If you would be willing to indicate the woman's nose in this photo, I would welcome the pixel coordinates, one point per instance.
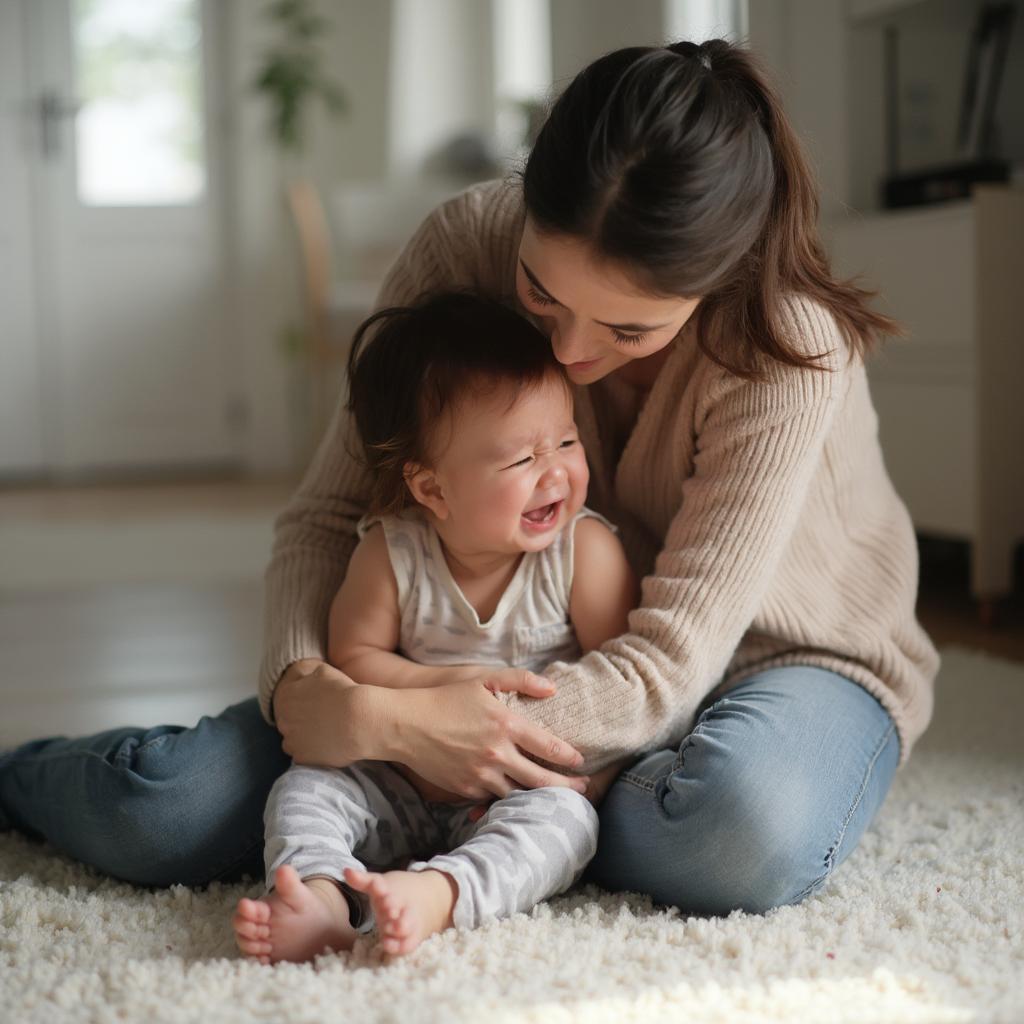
(569, 343)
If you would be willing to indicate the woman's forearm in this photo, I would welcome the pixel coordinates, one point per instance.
(456, 736)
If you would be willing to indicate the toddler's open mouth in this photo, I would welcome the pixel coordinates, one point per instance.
(539, 518)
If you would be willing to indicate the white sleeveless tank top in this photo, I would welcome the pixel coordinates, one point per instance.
(529, 629)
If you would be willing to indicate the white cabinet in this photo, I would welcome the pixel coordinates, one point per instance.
(950, 397)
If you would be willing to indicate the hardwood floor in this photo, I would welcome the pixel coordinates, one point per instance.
(130, 604)
(102, 650)
(90, 658)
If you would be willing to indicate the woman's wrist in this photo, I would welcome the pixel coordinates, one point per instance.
(376, 712)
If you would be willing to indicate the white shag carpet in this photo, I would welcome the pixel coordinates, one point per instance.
(924, 923)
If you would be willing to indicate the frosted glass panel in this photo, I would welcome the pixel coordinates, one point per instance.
(139, 81)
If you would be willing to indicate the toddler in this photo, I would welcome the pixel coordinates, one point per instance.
(478, 480)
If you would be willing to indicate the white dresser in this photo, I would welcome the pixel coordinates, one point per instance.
(950, 397)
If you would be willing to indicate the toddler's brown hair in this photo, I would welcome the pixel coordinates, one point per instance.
(410, 365)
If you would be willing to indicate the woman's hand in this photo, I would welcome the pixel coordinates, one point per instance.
(456, 736)
(313, 710)
(460, 738)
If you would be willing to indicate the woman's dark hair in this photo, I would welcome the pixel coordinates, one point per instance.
(409, 365)
(679, 163)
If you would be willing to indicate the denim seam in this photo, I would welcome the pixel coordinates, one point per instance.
(830, 858)
(649, 785)
(640, 781)
(156, 741)
(698, 730)
(126, 754)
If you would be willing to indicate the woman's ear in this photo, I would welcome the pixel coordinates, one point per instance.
(426, 488)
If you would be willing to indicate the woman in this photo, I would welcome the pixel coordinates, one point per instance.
(774, 675)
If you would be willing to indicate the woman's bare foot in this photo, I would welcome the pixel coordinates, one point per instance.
(297, 921)
(408, 906)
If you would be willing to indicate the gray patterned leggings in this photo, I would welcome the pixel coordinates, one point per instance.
(528, 846)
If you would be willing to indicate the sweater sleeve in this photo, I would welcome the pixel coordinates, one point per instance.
(315, 534)
(758, 445)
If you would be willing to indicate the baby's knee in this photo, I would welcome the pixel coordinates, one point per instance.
(568, 812)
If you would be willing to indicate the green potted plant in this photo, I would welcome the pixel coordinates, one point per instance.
(291, 75)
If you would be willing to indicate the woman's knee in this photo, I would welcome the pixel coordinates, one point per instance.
(763, 852)
(753, 860)
(728, 841)
(769, 830)
(186, 808)
(764, 798)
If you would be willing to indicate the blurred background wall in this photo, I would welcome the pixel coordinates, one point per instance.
(436, 93)
(182, 261)
(181, 267)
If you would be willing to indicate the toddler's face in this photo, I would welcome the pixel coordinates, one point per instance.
(511, 470)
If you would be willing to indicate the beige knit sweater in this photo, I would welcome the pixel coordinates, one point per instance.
(759, 516)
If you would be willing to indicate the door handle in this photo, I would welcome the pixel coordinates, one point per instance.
(53, 110)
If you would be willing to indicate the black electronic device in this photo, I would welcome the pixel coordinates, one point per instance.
(975, 162)
(939, 184)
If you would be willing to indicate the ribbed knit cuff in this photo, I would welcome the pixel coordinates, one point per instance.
(299, 589)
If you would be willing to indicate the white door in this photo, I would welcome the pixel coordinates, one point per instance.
(130, 331)
(21, 437)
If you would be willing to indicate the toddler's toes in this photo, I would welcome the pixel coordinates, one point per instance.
(255, 947)
(394, 925)
(399, 946)
(372, 884)
(257, 911)
(246, 929)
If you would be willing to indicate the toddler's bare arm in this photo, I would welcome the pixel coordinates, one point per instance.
(604, 587)
(604, 591)
(363, 625)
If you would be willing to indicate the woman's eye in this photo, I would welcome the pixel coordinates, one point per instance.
(629, 339)
(539, 297)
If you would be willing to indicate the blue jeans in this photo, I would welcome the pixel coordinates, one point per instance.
(765, 798)
(767, 795)
(151, 806)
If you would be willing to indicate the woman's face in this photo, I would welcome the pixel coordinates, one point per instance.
(597, 318)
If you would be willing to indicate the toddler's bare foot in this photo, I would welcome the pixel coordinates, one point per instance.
(408, 906)
(297, 921)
